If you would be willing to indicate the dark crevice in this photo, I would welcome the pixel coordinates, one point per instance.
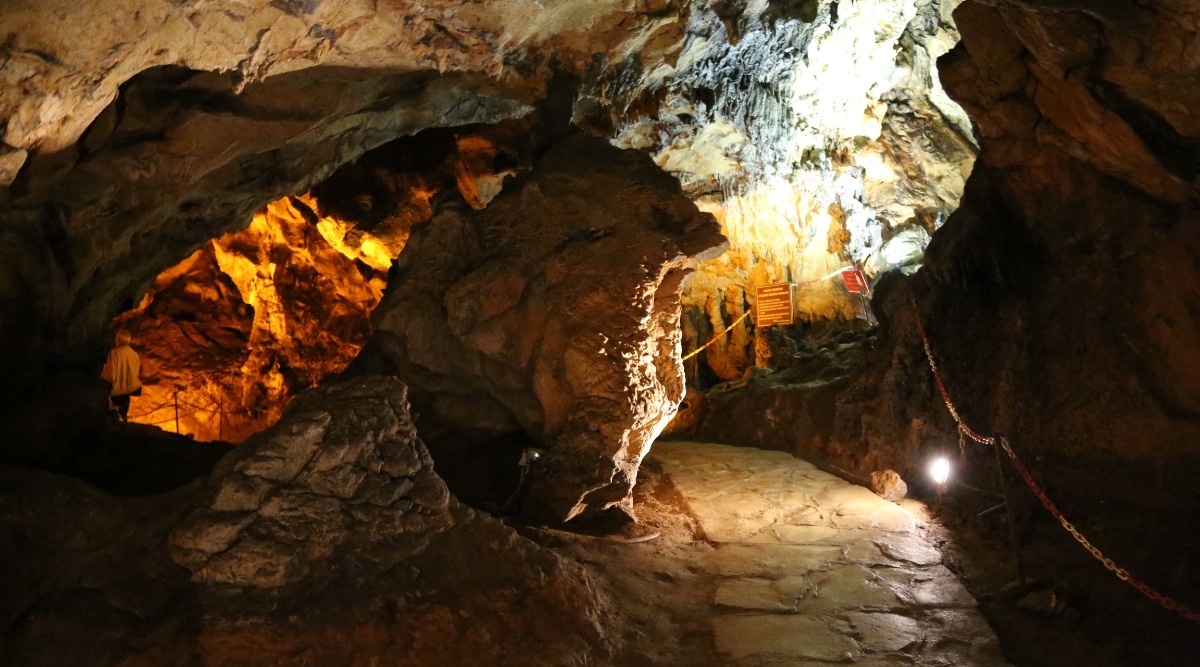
(1178, 153)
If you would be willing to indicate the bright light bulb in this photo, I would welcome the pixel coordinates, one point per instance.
(940, 470)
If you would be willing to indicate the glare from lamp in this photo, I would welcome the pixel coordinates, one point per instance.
(939, 470)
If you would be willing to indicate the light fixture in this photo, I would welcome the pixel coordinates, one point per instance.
(939, 470)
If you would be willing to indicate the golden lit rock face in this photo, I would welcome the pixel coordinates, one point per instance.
(475, 170)
(233, 332)
(241, 326)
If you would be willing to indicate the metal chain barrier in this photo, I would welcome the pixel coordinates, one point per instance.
(1121, 573)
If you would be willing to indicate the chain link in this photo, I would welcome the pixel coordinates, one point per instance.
(1121, 573)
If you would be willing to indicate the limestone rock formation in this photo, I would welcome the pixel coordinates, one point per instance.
(67, 63)
(135, 132)
(819, 136)
(888, 484)
(228, 336)
(1072, 244)
(553, 311)
(1059, 298)
(343, 474)
(175, 174)
(325, 540)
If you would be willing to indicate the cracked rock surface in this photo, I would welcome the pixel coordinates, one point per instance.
(344, 474)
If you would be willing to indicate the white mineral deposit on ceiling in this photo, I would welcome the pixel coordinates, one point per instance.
(818, 140)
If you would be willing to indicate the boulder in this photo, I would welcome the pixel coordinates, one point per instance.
(887, 484)
(553, 311)
(343, 474)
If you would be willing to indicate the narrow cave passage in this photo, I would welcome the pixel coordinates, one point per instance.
(745, 556)
(230, 335)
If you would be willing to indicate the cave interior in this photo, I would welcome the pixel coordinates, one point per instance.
(454, 318)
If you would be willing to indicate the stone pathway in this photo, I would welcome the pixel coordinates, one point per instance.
(813, 570)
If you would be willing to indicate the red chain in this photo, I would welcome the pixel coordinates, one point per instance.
(1122, 573)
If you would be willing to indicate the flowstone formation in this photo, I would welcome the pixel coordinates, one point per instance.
(553, 311)
(325, 540)
(819, 136)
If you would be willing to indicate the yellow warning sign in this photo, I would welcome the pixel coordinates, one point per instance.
(773, 304)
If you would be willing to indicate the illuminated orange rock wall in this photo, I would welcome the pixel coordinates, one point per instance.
(228, 336)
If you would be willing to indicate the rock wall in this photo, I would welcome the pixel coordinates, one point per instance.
(553, 311)
(1061, 298)
(228, 336)
(65, 63)
(1072, 254)
(187, 161)
(1103, 186)
(325, 540)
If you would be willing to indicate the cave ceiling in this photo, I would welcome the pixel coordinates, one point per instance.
(136, 131)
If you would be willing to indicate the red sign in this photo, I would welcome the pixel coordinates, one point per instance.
(856, 282)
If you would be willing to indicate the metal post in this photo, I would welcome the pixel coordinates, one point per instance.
(1012, 524)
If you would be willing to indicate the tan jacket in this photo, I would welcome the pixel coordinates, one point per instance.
(122, 369)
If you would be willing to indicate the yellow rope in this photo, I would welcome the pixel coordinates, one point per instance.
(717, 337)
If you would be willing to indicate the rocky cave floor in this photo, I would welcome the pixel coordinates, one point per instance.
(750, 558)
(673, 581)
